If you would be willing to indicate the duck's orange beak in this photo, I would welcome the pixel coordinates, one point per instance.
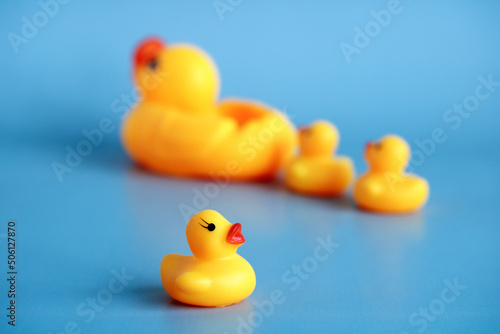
(147, 51)
(368, 147)
(234, 235)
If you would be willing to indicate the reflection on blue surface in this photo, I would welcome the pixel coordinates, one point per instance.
(386, 273)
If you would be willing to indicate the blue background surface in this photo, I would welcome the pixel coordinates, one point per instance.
(107, 216)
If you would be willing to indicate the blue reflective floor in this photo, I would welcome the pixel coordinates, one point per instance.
(89, 251)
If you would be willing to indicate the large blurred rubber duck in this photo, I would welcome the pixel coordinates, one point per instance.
(215, 276)
(179, 128)
(316, 171)
(385, 187)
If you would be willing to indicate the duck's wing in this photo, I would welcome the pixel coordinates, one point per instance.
(185, 134)
(193, 282)
(243, 111)
(166, 132)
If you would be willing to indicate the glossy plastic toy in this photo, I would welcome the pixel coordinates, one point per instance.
(385, 187)
(215, 276)
(179, 128)
(315, 171)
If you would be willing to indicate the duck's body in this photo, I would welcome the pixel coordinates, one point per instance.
(179, 127)
(385, 187)
(167, 140)
(215, 275)
(383, 192)
(217, 282)
(316, 171)
(320, 176)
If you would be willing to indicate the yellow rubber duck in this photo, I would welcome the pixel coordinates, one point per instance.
(215, 276)
(315, 171)
(179, 128)
(385, 187)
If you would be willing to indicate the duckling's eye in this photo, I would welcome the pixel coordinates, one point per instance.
(153, 64)
(377, 146)
(209, 226)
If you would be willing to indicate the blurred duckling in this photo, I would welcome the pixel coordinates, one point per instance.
(385, 187)
(316, 171)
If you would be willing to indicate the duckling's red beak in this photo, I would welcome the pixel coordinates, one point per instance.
(234, 235)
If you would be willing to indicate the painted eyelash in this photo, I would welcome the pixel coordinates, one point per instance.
(209, 226)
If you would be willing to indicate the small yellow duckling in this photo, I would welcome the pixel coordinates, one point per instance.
(315, 171)
(386, 187)
(215, 276)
